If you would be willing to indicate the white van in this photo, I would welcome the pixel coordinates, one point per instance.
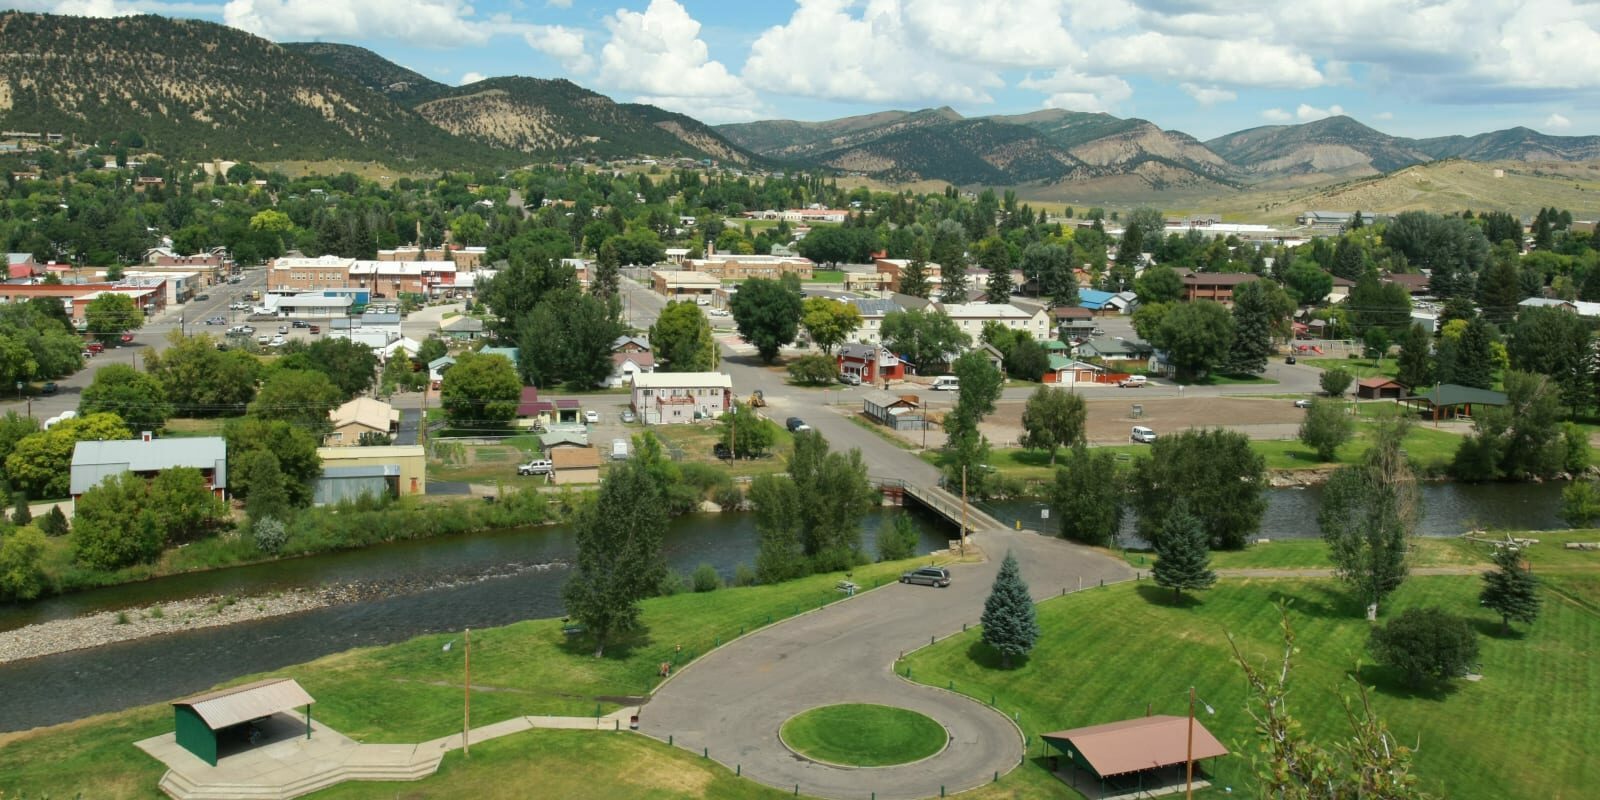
(947, 383)
(1133, 382)
(1142, 435)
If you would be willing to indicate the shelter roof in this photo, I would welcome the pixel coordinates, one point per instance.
(226, 707)
(1132, 745)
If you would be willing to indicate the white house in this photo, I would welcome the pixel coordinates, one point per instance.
(970, 318)
(662, 398)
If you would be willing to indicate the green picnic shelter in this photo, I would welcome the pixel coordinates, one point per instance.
(208, 720)
(1449, 400)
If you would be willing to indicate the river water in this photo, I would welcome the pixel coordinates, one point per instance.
(410, 588)
(433, 585)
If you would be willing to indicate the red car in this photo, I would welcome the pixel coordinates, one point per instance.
(127, 337)
(96, 348)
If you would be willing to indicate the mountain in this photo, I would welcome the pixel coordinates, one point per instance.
(1513, 144)
(1336, 147)
(559, 117)
(201, 90)
(371, 70)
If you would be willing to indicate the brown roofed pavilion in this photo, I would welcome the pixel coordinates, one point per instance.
(1135, 746)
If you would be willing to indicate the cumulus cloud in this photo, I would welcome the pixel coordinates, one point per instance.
(1208, 95)
(437, 23)
(826, 50)
(1021, 33)
(471, 77)
(1384, 115)
(1276, 115)
(1307, 113)
(1075, 91)
(1557, 121)
(660, 52)
(561, 43)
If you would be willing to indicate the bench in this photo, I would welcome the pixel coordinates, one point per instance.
(847, 587)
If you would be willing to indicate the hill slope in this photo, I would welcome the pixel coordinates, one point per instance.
(552, 117)
(371, 70)
(1513, 144)
(1336, 147)
(201, 90)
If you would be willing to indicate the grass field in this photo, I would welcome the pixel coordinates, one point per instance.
(1218, 379)
(826, 276)
(863, 735)
(1358, 367)
(1110, 654)
(411, 691)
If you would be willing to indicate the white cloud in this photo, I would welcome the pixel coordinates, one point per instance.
(471, 77)
(827, 51)
(1021, 33)
(1384, 115)
(1276, 115)
(1208, 95)
(1231, 62)
(1307, 113)
(659, 52)
(561, 43)
(1557, 121)
(1074, 91)
(436, 23)
(558, 3)
(113, 8)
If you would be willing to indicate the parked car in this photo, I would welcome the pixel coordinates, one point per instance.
(947, 383)
(1288, 359)
(1142, 435)
(283, 329)
(126, 338)
(48, 388)
(718, 312)
(95, 348)
(591, 416)
(263, 340)
(279, 341)
(720, 450)
(316, 329)
(217, 321)
(87, 354)
(796, 424)
(538, 466)
(629, 416)
(850, 378)
(1133, 382)
(202, 296)
(300, 323)
(1098, 332)
(1302, 404)
(248, 329)
(928, 576)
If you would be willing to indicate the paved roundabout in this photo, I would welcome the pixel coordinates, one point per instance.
(734, 702)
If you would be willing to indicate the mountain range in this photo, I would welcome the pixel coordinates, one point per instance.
(201, 90)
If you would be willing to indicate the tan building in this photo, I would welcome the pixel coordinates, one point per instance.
(309, 274)
(386, 279)
(895, 267)
(684, 284)
(411, 461)
(571, 465)
(729, 267)
(465, 258)
(360, 416)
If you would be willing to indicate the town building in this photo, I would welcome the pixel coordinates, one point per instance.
(732, 267)
(573, 465)
(685, 284)
(895, 410)
(360, 417)
(147, 456)
(385, 279)
(402, 467)
(871, 362)
(895, 268)
(1216, 286)
(662, 398)
(971, 317)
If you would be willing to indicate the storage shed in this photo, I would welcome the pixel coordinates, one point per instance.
(207, 719)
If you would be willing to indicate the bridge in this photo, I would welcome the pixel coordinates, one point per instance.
(940, 501)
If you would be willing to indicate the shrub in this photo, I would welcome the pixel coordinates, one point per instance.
(22, 515)
(744, 575)
(706, 579)
(270, 535)
(1335, 381)
(1424, 643)
(1326, 427)
(813, 370)
(1580, 503)
(54, 523)
(730, 497)
(898, 539)
(704, 477)
(21, 570)
(672, 583)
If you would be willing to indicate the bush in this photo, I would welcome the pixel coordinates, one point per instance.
(704, 477)
(1426, 643)
(54, 523)
(1577, 442)
(22, 515)
(672, 583)
(730, 497)
(1326, 427)
(898, 539)
(21, 570)
(1580, 503)
(813, 370)
(1335, 381)
(706, 579)
(270, 535)
(744, 575)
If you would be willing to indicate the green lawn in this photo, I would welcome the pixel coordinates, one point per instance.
(411, 691)
(1218, 379)
(863, 735)
(826, 276)
(1359, 367)
(1112, 653)
(193, 426)
(1313, 554)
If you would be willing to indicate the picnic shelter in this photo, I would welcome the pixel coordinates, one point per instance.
(1133, 755)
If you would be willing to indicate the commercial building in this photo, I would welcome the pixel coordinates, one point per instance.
(895, 269)
(147, 456)
(971, 317)
(671, 397)
(685, 284)
(384, 278)
(410, 462)
(1217, 286)
(731, 267)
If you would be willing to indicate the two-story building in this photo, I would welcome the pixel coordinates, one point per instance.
(359, 417)
(871, 362)
(971, 317)
(895, 268)
(1217, 286)
(734, 267)
(663, 398)
(685, 284)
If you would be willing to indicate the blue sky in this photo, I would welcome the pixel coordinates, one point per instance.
(1206, 67)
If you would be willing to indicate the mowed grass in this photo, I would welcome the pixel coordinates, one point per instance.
(864, 735)
(1363, 367)
(1313, 554)
(411, 691)
(1525, 730)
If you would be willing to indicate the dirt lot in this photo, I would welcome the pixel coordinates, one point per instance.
(1109, 420)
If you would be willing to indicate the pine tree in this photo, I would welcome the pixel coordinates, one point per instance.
(1252, 330)
(999, 287)
(914, 280)
(1008, 620)
(1415, 363)
(1182, 558)
(1510, 590)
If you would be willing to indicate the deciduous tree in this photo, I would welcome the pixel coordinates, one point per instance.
(111, 315)
(40, 464)
(135, 396)
(1325, 428)
(480, 391)
(1053, 419)
(618, 560)
(301, 397)
(1089, 497)
(1196, 337)
(681, 339)
(767, 313)
(1215, 472)
(1367, 512)
(1425, 643)
(114, 525)
(1335, 381)
(927, 339)
(898, 538)
(829, 322)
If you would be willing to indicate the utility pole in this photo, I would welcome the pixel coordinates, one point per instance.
(1188, 761)
(963, 509)
(466, 714)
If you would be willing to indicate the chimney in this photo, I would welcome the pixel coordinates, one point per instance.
(145, 436)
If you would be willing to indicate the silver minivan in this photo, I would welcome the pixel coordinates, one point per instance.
(1142, 435)
(930, 576)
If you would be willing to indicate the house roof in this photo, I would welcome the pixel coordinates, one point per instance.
(510, 353)
(365, 411)
(1551, 302)
(874, 306)
(645, 359)
(226, 707)
(561, 438)
(440, 363)
(1450, 394)
(1106, 346)
(1133, 745)
(864, 351)
(1094, 298)
(1379, 382)
(93, 462)
(1218, 278)
(1413, 281)
(463, 324)
(682, 380)
(883, 399)
(575, 458)
(622, 341)
(1073, 312)
(1063, 362)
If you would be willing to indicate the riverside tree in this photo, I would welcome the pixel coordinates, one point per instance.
(1215, 472)
(619, 558)
(1368, 510)
(810, 520)
(1326, 427)
(1510, 589)
(898, 539)
(1089, 497)
(1182, 559)
(1008, 619)
(1053, 419)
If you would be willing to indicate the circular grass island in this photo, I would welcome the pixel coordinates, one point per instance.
(863, 735)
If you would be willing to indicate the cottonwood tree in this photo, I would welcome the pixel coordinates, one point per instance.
(1009, 625)
(1559, 344)
(898, 539)
(1217, 474)
(1089, 497)
(120, 389)
(480, 391)
(829, 322)
(1510, 589)
(779, 526)
(810, 520)
(619, 560)
(926, 338)
(981, 385)
(1326, 427)
(1368, 510)
(767, 313)
(111, 315)
(1182, 559)
(301, 397)
(1196, 336)
(1522, 439)
(681, 339)
(1053, 419)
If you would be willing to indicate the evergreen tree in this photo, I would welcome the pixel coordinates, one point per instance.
(914, 279)
(1510, 590)
(1182, 559)
(1500, 288)
(1415, 362)
(1468, 360)
(1253, 316)
(998, 289)
(953, 279)
(1349, 262)
(1008, 618)
(619, 558)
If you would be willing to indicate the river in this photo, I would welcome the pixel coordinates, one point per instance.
(410, 588)
(432, 585)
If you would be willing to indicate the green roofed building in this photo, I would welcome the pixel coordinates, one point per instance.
(1447, 400)
(208, 723)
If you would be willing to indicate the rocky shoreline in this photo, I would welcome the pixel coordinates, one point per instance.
(109, 627)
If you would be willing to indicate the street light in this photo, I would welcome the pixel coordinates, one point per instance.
(1188, 765)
